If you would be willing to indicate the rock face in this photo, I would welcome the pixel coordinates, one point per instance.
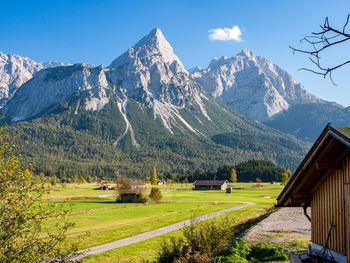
(149, 73)
(252, 86)
(14, 71)
(50, 87)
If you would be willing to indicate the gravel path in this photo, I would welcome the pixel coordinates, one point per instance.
(283, 226)
(155, 233)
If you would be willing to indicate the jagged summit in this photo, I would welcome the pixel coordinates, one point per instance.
(150, 71)
(154, 38)
(14, 71)
(247, 53)
(153, 46)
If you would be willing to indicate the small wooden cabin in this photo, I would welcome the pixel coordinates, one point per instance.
(130, 197)
(210, 185)
(322, 182)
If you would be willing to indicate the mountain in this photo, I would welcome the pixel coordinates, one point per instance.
(144, 108)
(255, 87)
(15, 70)
(252, 86)
(54, 64)
(306, 121)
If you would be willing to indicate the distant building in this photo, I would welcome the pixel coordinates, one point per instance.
(130, 197)
(322, 182)
(210, 185)
(105, 187)
(131, 191)
(137, 185)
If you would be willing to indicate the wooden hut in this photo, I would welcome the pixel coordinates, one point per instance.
(322, 182)
(210, 185)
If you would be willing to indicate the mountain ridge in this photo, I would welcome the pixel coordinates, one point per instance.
(252, 85)
(15, 70)
(143, 107)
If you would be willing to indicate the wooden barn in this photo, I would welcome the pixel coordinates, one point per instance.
(210, 185)
(322, 182)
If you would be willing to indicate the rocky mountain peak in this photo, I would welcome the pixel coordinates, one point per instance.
(150, 71)
(252, 85)
(14, 71)
(247, 53)
(152, 48)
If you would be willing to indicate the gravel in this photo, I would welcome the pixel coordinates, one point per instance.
(283, 226)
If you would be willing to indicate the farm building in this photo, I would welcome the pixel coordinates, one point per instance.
(137, 185)
(130, 197)
(322, 182)
(210, 185)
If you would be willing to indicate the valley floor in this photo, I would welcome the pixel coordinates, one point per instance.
(99, 219)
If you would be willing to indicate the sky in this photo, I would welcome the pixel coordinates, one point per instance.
(98, 31)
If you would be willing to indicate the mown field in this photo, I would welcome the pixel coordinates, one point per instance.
(99, 219)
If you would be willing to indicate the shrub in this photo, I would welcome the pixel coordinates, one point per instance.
(238, 253)
(264, 252)
(155, 195)
(200, 242)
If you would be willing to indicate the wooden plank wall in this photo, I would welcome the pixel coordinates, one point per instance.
(327, 204)
(347, 205)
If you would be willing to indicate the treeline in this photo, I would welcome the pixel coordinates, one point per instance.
(246, 172)
(55, 148)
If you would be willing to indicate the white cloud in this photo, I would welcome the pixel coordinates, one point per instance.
(225, 34)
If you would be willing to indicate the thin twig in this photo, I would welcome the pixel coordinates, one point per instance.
(321, 41)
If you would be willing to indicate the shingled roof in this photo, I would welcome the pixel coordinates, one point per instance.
(209, 182)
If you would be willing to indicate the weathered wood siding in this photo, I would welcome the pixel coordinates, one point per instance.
(327, 205)
(347, 206)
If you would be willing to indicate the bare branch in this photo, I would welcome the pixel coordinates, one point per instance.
(321, 41)
(347, 21)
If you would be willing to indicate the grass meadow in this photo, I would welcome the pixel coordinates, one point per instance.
(99, 219)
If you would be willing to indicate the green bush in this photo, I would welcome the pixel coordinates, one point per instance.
(155, 195)
(264, 252)
(238, 253)
(200, 242)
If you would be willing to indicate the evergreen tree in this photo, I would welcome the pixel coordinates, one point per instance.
(154, 176)
(233, 175)
(155, 195)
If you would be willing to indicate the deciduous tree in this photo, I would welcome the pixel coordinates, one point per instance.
(258, 182)
(233, 175)
(27, 233)
(284, 178)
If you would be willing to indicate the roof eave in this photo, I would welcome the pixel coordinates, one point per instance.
(282, 199)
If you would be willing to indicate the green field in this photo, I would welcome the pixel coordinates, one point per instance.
(99, 219)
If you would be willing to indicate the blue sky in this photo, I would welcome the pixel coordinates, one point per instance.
(98, 31)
